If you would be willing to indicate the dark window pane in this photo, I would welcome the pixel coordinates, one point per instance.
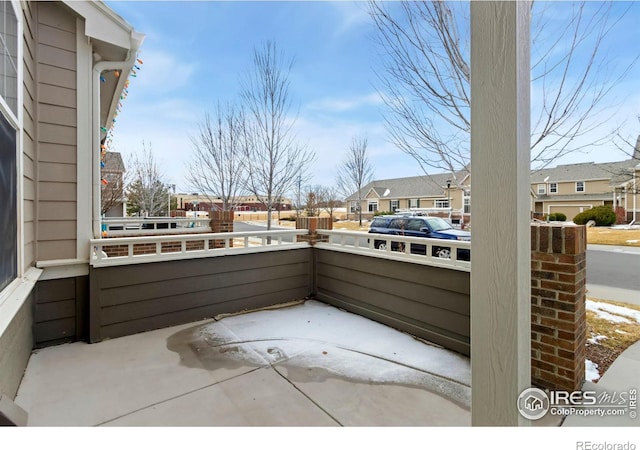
(8, 221)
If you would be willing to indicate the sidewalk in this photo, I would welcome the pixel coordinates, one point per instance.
(622, 376)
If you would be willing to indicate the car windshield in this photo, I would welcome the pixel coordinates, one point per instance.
(438, 224)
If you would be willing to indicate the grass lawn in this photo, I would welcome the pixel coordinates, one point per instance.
(611, 328)
(610, 236)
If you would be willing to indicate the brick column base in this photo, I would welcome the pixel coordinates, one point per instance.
(313, 224)
(558, 317)
(221, 222)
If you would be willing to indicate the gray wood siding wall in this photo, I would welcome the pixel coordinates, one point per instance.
(61, 311)
(29, 134)
(428, 302)
(15, 348)
(56, 131)
(135, 298)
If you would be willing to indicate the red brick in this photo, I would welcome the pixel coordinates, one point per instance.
(557, 324)
(556, 267)
(557, 286)
(556, 239)
(546, 257)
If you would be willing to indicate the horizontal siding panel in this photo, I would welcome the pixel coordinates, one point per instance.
(56, 95)
(206, 283)
(56, 76)
(55, 15)
(56, 290)
(29, 189)
(16, 344)
(57, 115)
(28, 207)
(57, 134)
(57, 153)
(29, 230)
(60, 172)
(56, 37)
(28, 168)
(148, 273)
(220, 296)
(191, 315)
(52, 250)
(28, 126)
(29, 66)
(64, 192)
(64, 309)
(55, 230)
(447, 279)
(55, 330)
(29, 254)
(48, 210)
(56, 57)
(28, 148)
(27, 98)
(389, 304)
(418, 291)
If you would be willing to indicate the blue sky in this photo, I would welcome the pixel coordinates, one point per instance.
(195, 53)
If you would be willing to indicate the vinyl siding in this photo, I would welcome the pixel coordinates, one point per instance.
(28, 135)
(56, 131)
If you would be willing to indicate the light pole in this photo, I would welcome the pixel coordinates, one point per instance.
(449, 196)
(169, 187)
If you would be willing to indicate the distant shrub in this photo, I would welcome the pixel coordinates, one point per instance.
(603, 216)
(557, 217)
(383, 213)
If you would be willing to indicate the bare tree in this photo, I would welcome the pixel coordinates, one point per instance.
(425, 79)
(313, 199)
(330, 200)
(217, 166)
(147, 193)
(274, 158)
(626, 145)
(114, 182)
(356, 171)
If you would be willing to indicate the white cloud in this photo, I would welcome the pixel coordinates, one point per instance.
(333, 104)
(353, 15)
(162, 72)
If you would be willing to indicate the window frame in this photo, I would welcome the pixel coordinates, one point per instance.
(541, 189)
(411, 202)
(441, 203)
(371, 203)
(15, 121)
(581, 183)
(553, 188)
(394, 205)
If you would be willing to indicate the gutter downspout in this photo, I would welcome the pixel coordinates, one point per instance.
(98, 68)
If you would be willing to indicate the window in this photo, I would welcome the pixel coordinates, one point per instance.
(467, 205)
(443, 203)
(414, 203)
(8, 142)
(542, 189)
(355, 206)
(9, 56)
(579, 186)
(553, 188)
(373, 206)
(395, 205)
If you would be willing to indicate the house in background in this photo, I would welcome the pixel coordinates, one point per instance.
(573, 188)
(65, 68)
(439, 194)
(568, 189)
(113, 186)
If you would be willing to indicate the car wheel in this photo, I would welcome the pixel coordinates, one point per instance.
(381, 245)
(443, 252)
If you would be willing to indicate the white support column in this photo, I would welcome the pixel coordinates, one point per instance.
(500, 161)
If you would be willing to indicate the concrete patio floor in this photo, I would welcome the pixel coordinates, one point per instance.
(303, 365)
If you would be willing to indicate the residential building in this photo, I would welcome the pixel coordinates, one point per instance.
(568, 189)
(201, 202)
(441, 194)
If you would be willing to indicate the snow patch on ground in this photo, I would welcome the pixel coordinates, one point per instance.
(316, 335)
(632, 241)
(596, 339)
(613, 313)
(591, 371)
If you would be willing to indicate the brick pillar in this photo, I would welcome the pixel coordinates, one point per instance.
(313, 224)
(621, 215)
(558, 317)
(221, 222)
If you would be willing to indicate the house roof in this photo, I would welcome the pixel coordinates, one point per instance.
(617, 172)
(113, 162)
(574, 197)
(410, 187)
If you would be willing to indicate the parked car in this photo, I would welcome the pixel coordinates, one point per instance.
(420, 226)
